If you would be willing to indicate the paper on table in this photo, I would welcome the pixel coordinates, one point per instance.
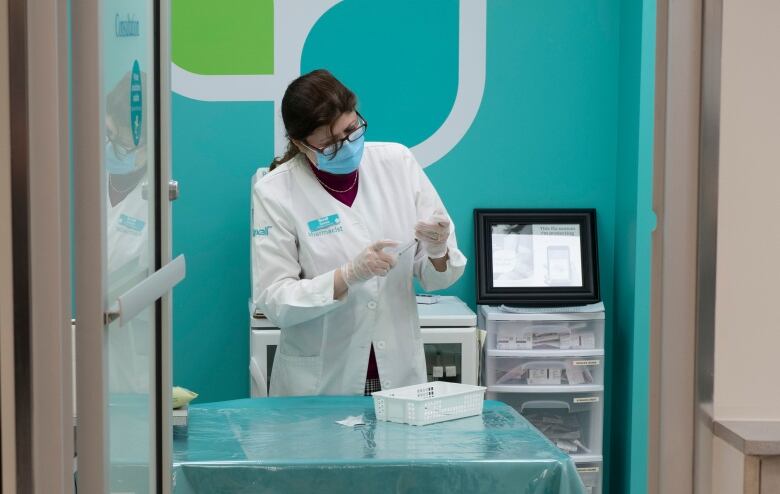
(352, 421)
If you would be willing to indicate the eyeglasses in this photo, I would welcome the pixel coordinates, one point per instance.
(356, 133)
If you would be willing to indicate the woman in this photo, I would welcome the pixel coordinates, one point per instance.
(327, 220)
(127, 236)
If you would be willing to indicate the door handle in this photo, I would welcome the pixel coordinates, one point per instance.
(173, 190)
(132, 302)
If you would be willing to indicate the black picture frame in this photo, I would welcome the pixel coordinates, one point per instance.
(537, 296)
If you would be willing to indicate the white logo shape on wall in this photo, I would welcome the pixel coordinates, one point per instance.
(294, 19)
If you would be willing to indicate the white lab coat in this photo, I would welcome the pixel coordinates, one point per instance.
(128, 256)
(301, 235)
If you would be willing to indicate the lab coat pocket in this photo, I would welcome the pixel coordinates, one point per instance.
(297, 376)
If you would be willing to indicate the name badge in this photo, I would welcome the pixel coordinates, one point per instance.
(325, 225)
(131, 223)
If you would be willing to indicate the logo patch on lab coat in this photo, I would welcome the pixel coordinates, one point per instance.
(129, 223)
(325, 226)
(261, 232)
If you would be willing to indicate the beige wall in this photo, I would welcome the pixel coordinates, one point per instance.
(747, 340)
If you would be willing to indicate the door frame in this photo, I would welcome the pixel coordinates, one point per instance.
(676, 248)
(165, 181)
(7, 392)
(40, 370)
(89, 194)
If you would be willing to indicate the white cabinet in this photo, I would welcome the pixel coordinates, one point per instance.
(449, 336)
(550, 368)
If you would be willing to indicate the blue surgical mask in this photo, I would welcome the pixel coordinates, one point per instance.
(345, 161)
(116, 165)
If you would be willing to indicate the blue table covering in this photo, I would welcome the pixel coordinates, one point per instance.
(294, 445)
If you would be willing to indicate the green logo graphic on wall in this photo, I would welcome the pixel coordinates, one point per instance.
(136, 102)
(251, 51)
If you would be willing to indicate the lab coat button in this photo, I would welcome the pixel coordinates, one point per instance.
(380, 345)
(372, 305)
(386, 384)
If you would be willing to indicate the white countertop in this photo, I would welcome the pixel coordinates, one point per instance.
(449, 311)
(751, 437)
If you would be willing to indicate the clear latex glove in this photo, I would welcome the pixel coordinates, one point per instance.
(433, 234)
(373, 261)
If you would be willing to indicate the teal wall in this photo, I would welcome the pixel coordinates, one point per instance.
(406, 83)
(565, 121)
(634, 224)
(216, 149)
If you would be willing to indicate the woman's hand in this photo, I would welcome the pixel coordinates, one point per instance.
(433, 234)
(373, 261)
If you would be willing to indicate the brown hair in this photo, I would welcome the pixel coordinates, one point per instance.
(311, 101)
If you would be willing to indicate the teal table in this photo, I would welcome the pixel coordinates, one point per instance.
(294, 445)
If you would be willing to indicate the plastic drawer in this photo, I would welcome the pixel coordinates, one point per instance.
(542, 331)
(564, 418)
(545, 370)
(591, 475)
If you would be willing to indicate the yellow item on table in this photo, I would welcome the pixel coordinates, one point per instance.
(182, 396)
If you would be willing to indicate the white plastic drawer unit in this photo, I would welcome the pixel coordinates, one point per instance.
(572, 421)
(591, 475)
(547, 369)
(560, 331)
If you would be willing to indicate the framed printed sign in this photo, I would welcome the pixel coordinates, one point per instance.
(535, 257)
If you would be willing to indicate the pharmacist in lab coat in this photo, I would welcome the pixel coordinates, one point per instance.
(127, 234)
(328, 222)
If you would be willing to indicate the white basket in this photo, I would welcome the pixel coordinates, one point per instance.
(429, 403)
